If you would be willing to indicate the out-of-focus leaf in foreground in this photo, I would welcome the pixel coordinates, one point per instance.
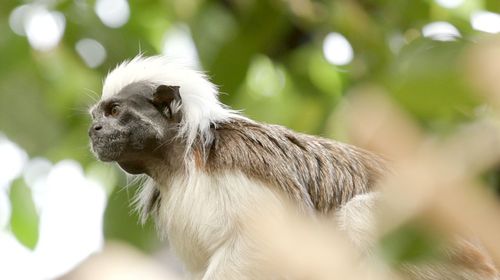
(24, 220)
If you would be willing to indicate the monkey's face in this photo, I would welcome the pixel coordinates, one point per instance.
(130, 126)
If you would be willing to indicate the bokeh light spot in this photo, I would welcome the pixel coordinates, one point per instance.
(450, 4)
(12, 161)
(486, 21)
(91, 51)
(441, 31)
(113, 13)
(71, 220)
(44, 28)
(178, 44)
(337, 49)
(264, 78)
(17, 18)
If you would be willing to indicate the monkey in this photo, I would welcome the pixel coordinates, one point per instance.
(208, 166)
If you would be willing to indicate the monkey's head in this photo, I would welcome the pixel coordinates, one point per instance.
(130, 126)
(141, 121)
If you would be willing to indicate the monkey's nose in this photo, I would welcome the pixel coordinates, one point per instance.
(94, 129)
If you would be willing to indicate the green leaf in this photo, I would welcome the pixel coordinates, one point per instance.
(24, 222)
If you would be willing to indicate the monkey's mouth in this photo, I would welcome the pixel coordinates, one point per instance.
(108, 147)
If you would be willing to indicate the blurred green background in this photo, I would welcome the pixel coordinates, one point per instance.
(289, 62)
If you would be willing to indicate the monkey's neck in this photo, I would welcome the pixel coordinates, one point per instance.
(157, 162)
(169, 160)
(133, 167)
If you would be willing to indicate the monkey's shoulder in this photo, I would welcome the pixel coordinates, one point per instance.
(241, 134)
(320, 170)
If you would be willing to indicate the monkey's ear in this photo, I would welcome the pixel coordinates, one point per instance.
(164, 96)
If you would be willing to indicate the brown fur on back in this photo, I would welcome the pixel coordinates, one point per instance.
(320, 174)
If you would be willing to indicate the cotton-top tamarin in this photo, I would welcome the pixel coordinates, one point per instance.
(209, 166)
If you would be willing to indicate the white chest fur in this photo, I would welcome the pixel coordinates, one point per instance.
(201, 212)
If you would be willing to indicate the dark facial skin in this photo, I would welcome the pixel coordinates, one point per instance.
(131, 126)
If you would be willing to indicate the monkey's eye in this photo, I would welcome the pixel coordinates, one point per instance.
(113, 110)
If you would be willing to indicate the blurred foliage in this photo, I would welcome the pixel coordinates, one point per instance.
(267, 57)
(412, 243)
(127, 226)
(24, 220)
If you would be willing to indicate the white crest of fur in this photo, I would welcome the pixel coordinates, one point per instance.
(200, 105)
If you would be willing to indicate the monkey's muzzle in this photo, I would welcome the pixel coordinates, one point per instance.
(107, 145)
